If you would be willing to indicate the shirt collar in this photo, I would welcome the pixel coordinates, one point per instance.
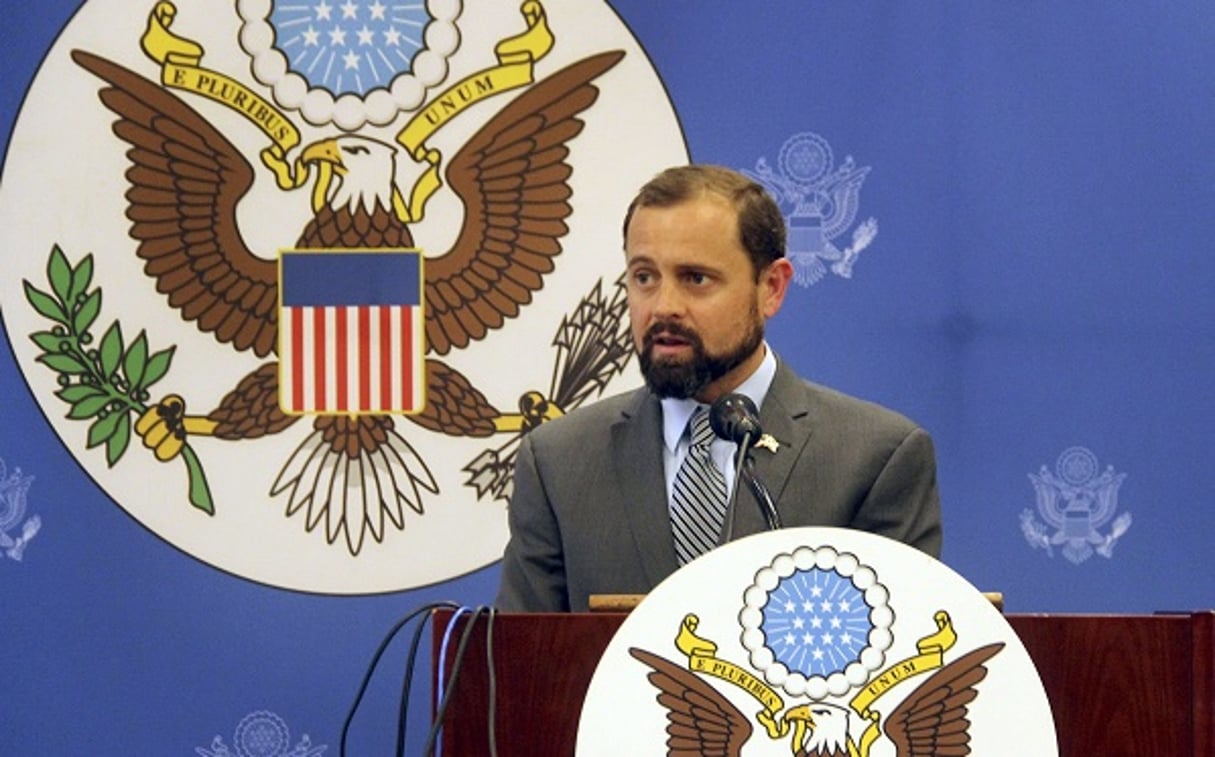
(676, 412)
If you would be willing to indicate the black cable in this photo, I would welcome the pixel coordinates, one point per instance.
(740, 454)
(763, 498)
(450, 686)
(493, 682)
(407, 688)
(375, 661)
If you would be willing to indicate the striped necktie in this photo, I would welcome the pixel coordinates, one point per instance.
(698, 499)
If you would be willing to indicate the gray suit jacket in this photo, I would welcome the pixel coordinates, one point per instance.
(589, 511)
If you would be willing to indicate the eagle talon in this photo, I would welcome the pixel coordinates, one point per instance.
(534, 409)
(165, 426)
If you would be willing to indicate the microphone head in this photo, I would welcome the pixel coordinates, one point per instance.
(734, 417)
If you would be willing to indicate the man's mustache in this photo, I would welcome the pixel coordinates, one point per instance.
(669, 329)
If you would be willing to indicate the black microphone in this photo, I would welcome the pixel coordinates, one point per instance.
(735, 418)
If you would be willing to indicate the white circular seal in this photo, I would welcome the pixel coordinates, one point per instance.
(815, 641)
(163, 162)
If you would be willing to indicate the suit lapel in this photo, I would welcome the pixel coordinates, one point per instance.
(637, 455)
(785, 416)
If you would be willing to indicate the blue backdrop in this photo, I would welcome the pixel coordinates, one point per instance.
(1035, 289)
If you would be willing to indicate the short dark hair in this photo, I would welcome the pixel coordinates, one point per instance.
(761, 227)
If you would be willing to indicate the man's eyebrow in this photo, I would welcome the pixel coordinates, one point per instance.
(697, 267)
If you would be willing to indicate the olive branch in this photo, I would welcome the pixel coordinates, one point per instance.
(107, 382)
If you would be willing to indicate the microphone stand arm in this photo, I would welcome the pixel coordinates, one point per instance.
(744, 464)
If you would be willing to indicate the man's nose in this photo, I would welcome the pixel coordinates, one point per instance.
(668, 300)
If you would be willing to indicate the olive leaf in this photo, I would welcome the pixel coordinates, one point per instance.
(90, 377)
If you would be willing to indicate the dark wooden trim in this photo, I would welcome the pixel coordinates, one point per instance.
(1118, 684)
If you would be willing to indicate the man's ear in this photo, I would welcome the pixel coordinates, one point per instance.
(773, 283)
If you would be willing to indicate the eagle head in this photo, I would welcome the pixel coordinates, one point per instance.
(353, 172)
(827, 731)
(355, 201)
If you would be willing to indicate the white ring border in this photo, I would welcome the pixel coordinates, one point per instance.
(863, 577)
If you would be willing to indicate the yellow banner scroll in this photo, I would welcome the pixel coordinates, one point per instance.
(931, 648)
(516, 56)
(179, 59)
(702, 658)
(701, 654)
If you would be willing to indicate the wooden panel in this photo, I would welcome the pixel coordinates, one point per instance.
(1117, 684)
(1204, 682)
(543, 664)
(1138, 684)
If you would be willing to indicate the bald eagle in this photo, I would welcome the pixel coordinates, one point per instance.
(351, 472)
(931, 720)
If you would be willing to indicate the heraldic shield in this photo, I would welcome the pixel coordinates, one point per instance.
(351, 335)
(822, 642)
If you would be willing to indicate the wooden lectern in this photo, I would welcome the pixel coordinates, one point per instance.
(1118, 684)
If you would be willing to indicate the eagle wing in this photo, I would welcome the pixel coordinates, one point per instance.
(186, 180)
(699, 719)
(513, 179)
(1048, 498)
(931, 721)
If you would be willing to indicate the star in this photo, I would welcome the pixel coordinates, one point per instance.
(322, 11)
(790, 639)
(789, 605)
(312, 37)
(825, 607)
(845, 605)
(351, 59)
(799, 623)
(337, 36)
(366, 36)
(816, 591)
(808, 639)
(392, 37)
(835, 623)
(846, 639)
(816, 622)
(349, 9)
(817, 654)
(377, 10)
(807, 606)
(828, 638)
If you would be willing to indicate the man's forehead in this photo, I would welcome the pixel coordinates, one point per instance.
(709, 214)
(706, 199)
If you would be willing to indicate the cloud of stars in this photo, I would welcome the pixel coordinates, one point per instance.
(349, 47)
(816, 622)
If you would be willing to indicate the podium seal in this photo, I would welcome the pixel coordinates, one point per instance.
(817, 642)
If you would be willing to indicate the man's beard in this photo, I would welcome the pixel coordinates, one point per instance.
(681, 379)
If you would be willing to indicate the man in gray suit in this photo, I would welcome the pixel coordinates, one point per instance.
(595, 491)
